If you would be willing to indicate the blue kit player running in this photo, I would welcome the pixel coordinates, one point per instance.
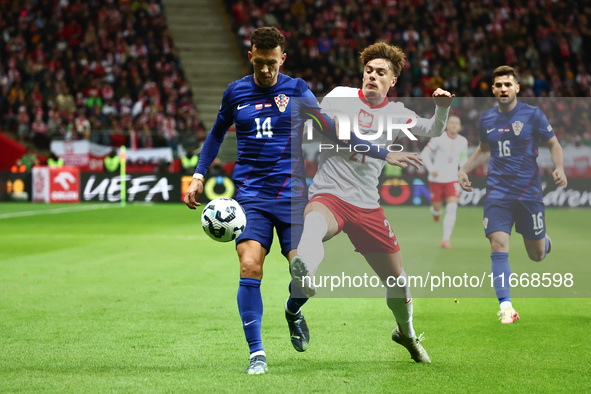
(269, 178)
(509, 135)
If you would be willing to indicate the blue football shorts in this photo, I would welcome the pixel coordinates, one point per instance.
(529, 217)
(285, 215)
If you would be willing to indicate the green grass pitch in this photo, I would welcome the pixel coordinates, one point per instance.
(99, 298)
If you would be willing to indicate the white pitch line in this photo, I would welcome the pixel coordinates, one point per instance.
(58, 210)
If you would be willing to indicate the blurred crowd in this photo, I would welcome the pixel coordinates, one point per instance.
(451, 44)
(107, 71)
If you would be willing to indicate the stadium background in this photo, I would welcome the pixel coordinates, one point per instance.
(81, 78)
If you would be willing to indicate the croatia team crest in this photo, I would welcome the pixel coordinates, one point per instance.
(517, 126)
(281, 101)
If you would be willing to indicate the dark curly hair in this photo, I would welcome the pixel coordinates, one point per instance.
(267, 38)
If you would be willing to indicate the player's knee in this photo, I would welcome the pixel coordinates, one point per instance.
(498, 246)
(536, 255)
(249, 268)
(499, 242)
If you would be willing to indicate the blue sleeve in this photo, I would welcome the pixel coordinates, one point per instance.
(481, 132)
(544, 129)
(309, 109)
(216, 135)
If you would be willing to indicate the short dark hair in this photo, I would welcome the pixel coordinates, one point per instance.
(268, 37)
(504, 70)
(381, 50)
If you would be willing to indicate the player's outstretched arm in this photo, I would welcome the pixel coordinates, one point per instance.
(193, 193)
(480, 156)
(404, 159)
(558, 159)
(435, 125)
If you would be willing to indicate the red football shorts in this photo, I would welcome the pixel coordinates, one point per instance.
(368, 229)
(440, 191)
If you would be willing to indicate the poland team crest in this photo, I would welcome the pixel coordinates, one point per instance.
(281, 101)
(517, 126)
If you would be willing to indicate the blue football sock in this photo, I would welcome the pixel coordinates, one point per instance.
(501, 271)
(250, 306)
(296, 299)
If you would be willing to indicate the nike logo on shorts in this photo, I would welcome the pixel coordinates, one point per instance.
(487, 130)
(539, 232)
(242, 106)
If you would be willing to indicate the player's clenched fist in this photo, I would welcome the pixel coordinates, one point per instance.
(443, 98)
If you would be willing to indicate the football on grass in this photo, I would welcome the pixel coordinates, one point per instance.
(223, 219)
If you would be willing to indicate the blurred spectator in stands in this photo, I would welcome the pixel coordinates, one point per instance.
(18, 166)
(158, 139)
(39, 129)
(110, 108)
(54, 161)
(55, 126)
(30, 160)
(145, 138)
(35, 97)
(583, 80)
(65, 100)
(540, 85)
(93, 98)
(117, 137)
(24, 130)
(189, 161)
(133, 137)
(82, 126)
(169, 131)
(111, 162)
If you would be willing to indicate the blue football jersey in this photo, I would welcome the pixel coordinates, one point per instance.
(266, 166)
(513, 138)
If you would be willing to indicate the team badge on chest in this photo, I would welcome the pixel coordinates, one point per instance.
(282, 101)
(365, 119)
(517, 126)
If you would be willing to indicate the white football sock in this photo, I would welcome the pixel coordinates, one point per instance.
(310, 248)
(399, 301)
(449, 220)
(506, 304)
(434, 212)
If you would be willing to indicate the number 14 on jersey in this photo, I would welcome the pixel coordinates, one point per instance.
(264, 129)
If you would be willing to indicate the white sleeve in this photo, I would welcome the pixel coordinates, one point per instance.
(327, 102)
(433, 126)
(464, 153)
(428, 152)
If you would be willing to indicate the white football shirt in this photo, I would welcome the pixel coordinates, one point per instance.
(349, 174)
(446, 156)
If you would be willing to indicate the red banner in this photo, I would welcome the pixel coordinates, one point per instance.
(56, 185)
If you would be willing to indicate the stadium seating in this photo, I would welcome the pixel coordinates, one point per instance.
(92, 70)
(450, 44)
